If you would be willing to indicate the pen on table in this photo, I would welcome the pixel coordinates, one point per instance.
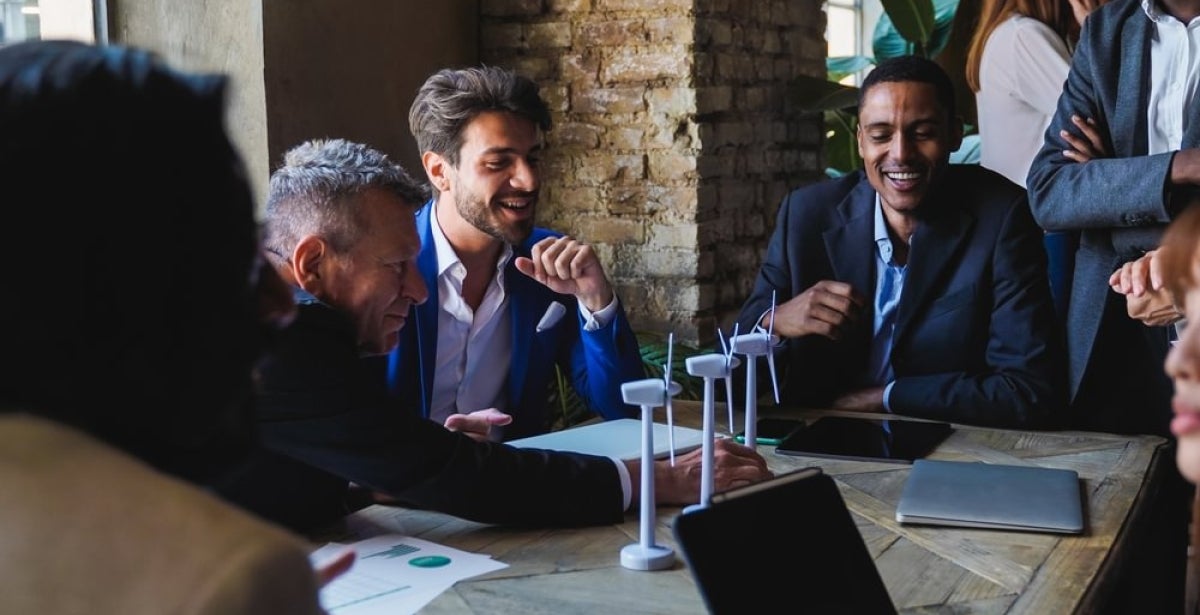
(554, 313)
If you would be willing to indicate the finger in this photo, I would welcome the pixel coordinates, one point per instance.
(561, 264)
(335, 567)
(1156, 273)
(493, 416)
(1088, 127)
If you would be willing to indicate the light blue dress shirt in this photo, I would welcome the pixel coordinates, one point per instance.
(889, 283)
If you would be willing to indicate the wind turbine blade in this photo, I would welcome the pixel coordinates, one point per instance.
(721, 336)
(771, 322)
(729, 398)
(671, 427)
(771, 366)
(667, 367)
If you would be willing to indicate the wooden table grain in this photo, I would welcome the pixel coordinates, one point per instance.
(925, 569)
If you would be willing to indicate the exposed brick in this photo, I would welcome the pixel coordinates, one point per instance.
(568, 6)
(510, 8)
(597, 168)
(548, 35)
(577, 135)
(609, 100)
(669, 165)
(612, 230)
(672, 101)
(629, 64)
(678, 30)
(642, 5)
(612, 33)
(503, 35)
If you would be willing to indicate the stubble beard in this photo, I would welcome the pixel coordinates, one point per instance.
(479, 214)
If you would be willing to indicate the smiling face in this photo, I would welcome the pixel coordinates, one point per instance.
(495, 185)
(377, 280)
(905, 139)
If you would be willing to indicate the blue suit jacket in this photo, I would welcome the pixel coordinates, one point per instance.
(597, 362)
(976, 339)
(1119, 204)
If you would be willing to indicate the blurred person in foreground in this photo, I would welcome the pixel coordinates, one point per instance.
(137, 305)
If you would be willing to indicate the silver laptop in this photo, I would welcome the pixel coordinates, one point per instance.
(619, 438)
(1005, 497)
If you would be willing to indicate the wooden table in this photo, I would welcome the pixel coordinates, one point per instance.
(967, 570)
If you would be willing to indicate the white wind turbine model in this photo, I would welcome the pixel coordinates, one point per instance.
(712, 366)
(754, 345)
(649, 394)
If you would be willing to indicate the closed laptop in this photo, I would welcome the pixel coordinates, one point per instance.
(1006, 497)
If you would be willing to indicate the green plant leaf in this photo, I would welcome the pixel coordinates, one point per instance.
(920, 27)
(841, 146)
(813, 94)
(913, 19)
(840, 67)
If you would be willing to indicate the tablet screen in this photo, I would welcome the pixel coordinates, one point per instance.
(866, 439)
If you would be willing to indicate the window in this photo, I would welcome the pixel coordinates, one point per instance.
(23, 20)
(849, 29)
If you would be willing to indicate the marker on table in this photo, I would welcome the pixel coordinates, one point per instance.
(554, 313)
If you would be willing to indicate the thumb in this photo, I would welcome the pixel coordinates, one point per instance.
(525, 265)
(494, 416)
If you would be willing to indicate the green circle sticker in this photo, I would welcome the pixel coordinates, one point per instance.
(429, 561)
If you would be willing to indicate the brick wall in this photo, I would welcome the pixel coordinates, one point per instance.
(673, 139)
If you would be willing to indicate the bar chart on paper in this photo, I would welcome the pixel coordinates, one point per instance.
(397, 574)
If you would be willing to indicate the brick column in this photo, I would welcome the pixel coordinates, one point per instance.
(673, 140)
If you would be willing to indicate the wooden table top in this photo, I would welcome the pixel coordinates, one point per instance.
(924, 568)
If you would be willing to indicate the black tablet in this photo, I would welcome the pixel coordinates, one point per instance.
(866, 439)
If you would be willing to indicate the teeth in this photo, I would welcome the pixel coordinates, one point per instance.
(514, 205)
(904, 175)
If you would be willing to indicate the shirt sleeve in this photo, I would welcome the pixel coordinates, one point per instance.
(593, 321)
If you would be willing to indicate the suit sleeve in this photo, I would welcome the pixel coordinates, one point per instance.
(324, 406)
(1115, 192)
(600, 361)
(1022, 381)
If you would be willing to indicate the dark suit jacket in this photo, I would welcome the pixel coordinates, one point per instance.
(596, 362)
(975, 338)
(1119, 204)
(325, 419)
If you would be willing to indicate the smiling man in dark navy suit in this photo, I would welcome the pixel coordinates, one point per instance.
(914, 286)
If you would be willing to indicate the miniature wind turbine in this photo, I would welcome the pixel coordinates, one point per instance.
(649, 394)
(754, 345)
(711, 366)
(729, 350)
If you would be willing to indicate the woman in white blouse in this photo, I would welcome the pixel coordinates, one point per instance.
(1017, 63)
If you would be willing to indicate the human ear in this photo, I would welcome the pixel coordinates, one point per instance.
(436, 170)
(310, 255)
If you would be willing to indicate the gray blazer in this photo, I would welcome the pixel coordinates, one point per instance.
(1120, 204)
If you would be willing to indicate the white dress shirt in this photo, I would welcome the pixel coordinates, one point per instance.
(1174, 50)
(1021, 75)
(474, 347)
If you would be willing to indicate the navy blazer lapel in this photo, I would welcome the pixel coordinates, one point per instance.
(427, 313)
(1132, 88)
(933, 250)
(849, 246)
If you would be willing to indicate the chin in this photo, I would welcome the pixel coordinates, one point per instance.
(1187, 457)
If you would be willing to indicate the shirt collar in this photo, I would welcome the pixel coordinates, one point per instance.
(883, 241)
(446, 256)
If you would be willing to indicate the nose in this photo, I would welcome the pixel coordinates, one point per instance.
(902, 146)
(414, 286)
(525, 175)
